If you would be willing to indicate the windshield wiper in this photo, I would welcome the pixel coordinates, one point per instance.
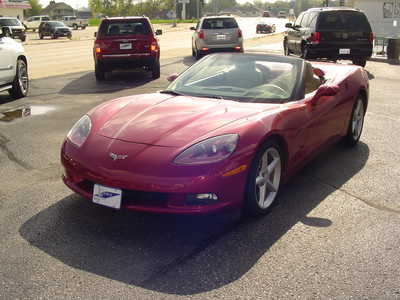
(170, 92)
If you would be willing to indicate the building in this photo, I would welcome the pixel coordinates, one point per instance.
(384, 15)
(58, 10)
(84, 13)
(13, 8)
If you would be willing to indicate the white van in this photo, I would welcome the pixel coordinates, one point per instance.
(32, 23)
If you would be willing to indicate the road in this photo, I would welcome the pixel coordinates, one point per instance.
(334, 233)
(63, 56)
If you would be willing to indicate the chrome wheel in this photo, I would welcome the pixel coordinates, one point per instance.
(268, 177)
(357, 121)
(23, 79)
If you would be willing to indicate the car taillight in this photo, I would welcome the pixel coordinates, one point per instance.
(154, 46)
(371, 37)
(200, 34)
(97, 48)
(239, 33)
(315, 38)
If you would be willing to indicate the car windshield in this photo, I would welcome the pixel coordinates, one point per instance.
(219, 23)
(10, 22)
(343, 20)
(132, 27)
(57, 24)
(244, 78)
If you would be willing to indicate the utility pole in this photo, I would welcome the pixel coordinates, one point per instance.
(174, 11)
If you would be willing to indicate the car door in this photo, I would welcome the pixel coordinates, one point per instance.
(7, 68)
(293, 34)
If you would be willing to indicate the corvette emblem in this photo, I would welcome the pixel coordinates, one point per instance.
(118, 156)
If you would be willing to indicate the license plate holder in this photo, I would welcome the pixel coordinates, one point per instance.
(221, 37)
(344, 51)
(125, 46)
(107, 196)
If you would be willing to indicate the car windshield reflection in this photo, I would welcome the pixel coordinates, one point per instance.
(238, 77)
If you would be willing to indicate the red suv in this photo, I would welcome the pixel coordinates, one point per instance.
(126, 42)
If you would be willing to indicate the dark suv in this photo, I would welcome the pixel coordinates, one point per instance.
(54, 29)
(332, 33)
(125, 43)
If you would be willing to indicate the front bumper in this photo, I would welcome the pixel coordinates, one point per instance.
(155, 191)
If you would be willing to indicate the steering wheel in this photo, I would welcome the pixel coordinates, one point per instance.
(277, 87)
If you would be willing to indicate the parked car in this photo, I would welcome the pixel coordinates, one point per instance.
(332, 33)
(282, 14)
(265, 27)
(74, 22)
(33, 23)
(126, 43)
(13, 66)
(17, 29)
(266, 14)
(216, 33)
(227, 132)
(54, 29)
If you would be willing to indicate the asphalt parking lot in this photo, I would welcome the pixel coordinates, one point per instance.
(333, 234)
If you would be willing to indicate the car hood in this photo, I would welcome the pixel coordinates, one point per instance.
(174, 121)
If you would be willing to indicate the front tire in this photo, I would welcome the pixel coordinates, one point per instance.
(356, 123)
(20, 85)
(304, 52)
(286, 48)
(264, 179)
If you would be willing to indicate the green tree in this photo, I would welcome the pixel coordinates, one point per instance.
(35, 10)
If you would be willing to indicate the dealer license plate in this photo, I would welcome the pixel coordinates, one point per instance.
(125, 46)
(107, 196)
(344, 51)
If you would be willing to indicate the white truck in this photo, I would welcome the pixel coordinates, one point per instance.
(32, 23)
(74, 22)
(13, 66)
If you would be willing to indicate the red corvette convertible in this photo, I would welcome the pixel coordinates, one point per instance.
(227, 132)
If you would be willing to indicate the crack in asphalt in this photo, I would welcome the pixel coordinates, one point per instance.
(369, 203)
(3, 147)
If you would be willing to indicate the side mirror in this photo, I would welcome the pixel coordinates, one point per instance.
(95, 34)
(172, 77)
(289, 25)
(324, 90)
(192, 28)
(319, 72)
(158, 32)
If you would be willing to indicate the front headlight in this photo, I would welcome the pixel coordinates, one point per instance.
(208, 151)
(80, 131)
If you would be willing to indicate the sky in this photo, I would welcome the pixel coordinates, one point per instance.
(74, 3)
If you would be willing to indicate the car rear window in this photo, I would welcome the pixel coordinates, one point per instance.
(343, 20)
(128, 27)
(219, 23)
(9, 22)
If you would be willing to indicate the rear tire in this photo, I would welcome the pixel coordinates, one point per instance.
(155, 70)
(356, 123)
(99, 73)
(359, 62)
(54, 36)
(304, 52)
(264, 179)
(75, 26)
(20, 85)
